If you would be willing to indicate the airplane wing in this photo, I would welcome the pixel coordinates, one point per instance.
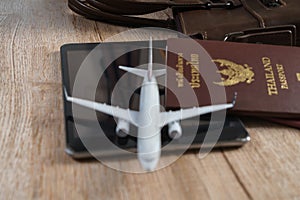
(120, 113)
(170, 116)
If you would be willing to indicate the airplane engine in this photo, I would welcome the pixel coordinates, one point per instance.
(122, 128)
(175, 130)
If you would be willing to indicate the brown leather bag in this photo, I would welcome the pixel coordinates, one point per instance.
(256, 21)
(252, 21)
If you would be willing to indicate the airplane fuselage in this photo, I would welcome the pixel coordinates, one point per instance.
(149, 138)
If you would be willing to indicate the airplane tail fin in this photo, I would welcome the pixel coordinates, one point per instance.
(150, 60)
(150, 72)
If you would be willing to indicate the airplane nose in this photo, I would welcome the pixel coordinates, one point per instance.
(149, 161)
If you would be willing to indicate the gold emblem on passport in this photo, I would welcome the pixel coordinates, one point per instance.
(233, 73)
(298, 76)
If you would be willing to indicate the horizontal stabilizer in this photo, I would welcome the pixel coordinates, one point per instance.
(143, 72)
(136, 71)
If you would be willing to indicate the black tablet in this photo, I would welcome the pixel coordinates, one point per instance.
(233, 132)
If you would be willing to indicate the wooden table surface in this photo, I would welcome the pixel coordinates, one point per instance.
(32, 141)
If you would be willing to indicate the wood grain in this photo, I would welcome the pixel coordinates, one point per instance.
(270, 167)
(32, 141)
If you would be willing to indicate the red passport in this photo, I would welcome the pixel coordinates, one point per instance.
(265, 77)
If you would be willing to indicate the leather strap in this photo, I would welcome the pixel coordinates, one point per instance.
(85, 9)
(119, 11)
(278, 35)
(259, 18)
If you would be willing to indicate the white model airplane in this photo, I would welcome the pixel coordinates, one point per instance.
(149, 119)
